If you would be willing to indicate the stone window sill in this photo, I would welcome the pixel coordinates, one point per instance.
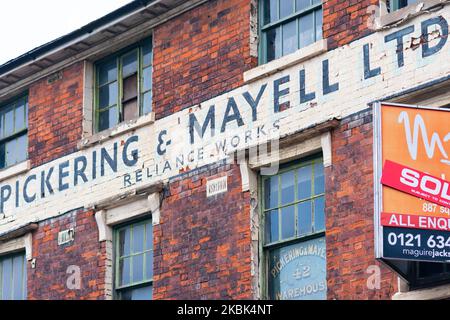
(398, 17)
(15, 170)
(119, 129)
(285, 62)
(436, 293)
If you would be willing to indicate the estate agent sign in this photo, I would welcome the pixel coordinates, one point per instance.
(412, 186)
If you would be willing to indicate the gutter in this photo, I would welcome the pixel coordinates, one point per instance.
(67, 40)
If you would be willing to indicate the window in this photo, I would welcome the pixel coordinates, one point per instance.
(13, 132)
(13, 277)
(294, 238)
(421, 275)
(134, 261)
(124, 86)
(426, 274)
(399, 4)
(288, 25)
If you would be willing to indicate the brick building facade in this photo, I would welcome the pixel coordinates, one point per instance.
(145, 166)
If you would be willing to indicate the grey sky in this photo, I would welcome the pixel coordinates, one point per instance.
(27, 24)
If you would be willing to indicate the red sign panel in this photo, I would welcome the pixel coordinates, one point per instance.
(416, 183)
(396, 220)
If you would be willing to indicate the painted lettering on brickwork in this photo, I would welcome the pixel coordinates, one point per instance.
(56, 178)
(236, 123)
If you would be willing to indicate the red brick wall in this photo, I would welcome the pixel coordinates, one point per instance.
(55, 116)
(350, 211)
(345, 21)
(48, 281)
(201, 54)
(202, 246)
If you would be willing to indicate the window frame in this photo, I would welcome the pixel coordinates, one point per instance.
(418, 283)
(394, 5)
(263, 28)
(118, 290)
(23, 132)
(141, 66)
(265, 249)
(24, 272)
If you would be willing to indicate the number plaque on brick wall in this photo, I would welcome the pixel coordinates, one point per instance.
(216, 186)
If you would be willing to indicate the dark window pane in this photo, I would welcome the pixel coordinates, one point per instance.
(124, 271)
(273, 37)
(288, 222)
(7, 279)
(108, 118)
(319, 22)
(399, 4)
(286, 8)
(319, 179)
(2, 125)
(130, 110)
(270, 11)
(11, 152)
(107, 72)
(272, 233)
(304, 182)
(124, 242)
(303, 4)
(271, 192)
(149, 265)
(290, 37)
(19, 121)
(18, 278)
(108, 95)
(304, 218)
(21, 148)
(138, 238)
(26, 114)
(14, 151)
(24, 277)
(138, 268)
(147, 55)
(9, 122)
(319, 214)
(287, 187)
(147, 103)
(138, 294)
(147, 79)
(2, 156)
(130, 88)
(307, 35)
(129, 64)
(430, 269)
(149, 236)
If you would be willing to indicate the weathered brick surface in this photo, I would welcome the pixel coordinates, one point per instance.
(346, 21)
(48, 281)
(55, 116)
(201, 54)
(350, 212)
(202, 246)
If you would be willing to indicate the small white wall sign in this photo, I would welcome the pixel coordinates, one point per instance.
(216, 186)
(66, 236)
